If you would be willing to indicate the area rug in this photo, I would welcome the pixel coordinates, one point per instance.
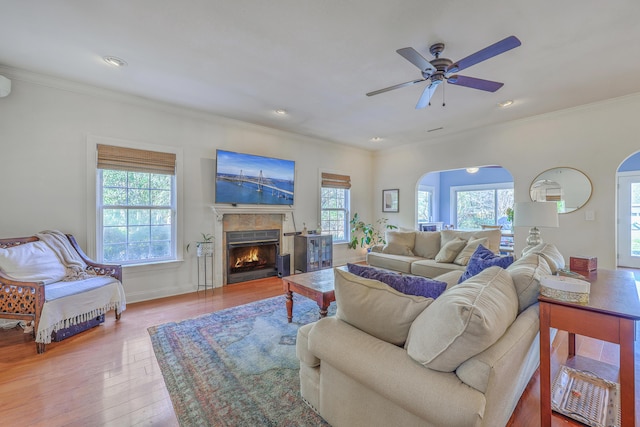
(237, 367)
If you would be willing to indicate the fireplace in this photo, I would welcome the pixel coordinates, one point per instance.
(251, 254)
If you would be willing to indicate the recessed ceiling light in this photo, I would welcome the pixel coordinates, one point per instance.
(281, 112)
(376, 139)
(115, 61)
(506, 103)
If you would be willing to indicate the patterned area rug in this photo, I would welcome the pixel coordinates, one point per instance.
(237, 367)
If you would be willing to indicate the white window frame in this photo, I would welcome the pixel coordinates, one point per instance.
(453, 198)
(347, 209)
(432, 191)
(94, 211)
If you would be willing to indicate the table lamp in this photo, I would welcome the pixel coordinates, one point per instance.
(534, 215)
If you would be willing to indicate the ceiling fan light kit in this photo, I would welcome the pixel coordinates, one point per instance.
(439, 70)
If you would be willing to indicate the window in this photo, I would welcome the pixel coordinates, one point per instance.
(136, 205)
(425, 204)
(334, 205)
(479, 205)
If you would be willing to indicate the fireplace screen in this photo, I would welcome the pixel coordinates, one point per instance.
(252, 254)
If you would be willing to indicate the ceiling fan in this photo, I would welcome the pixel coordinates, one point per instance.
(440, 69)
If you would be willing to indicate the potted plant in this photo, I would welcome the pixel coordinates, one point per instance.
(367, 235)
(205, 246)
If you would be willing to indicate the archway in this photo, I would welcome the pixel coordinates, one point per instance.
(628, 211)
(465, 198)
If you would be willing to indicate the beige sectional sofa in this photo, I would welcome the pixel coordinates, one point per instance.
(463, 359)
(431, 253)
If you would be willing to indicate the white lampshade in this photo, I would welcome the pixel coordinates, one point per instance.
(535, 214)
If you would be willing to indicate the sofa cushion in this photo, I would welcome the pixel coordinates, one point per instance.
(399, 263)
(32, 262)
(550, 253)
(375, 307)
(482, 259)
(431, 268)
(526, 273)
(467, 319)
(450, 250)
(465, 254)
(493, 237)
(399, 243)
(427, 244)
(410, 285)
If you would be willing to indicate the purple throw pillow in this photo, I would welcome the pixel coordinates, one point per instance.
(483, 258)
(407, 284)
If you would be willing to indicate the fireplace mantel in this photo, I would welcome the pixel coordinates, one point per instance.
(220, 210)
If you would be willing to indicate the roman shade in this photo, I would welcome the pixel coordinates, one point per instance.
(332, 180)
(134, 160)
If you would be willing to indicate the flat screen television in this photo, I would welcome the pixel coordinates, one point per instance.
(249, 179)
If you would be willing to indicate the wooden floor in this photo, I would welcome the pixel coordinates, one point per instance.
(108, 376)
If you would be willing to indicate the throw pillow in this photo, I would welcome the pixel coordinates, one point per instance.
(450, 250)
(427, 244)
(407, 284)
(550, 253)
(465, 254)
(493, 237)
(526, 273)
(375, 307)
(399, 243)
(32, 262)
(482, 259)
(464, 321)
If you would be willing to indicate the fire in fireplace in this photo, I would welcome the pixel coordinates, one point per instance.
(252, 254)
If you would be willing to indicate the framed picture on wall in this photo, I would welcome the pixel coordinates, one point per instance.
(390, 200)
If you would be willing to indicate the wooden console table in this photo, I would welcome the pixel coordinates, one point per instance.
(610, 315)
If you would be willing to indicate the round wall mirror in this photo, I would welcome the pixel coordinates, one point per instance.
(568, 187)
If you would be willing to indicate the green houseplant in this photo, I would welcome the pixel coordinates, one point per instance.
(205, 246)
(367, 235)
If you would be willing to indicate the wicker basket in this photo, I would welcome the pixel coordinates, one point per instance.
(587, 398)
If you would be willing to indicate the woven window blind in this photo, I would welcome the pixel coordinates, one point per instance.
(332, 180)
(133, 160)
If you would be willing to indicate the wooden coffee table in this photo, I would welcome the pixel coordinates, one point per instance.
(316, 285)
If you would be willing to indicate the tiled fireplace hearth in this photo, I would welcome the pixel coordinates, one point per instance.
(240, 223)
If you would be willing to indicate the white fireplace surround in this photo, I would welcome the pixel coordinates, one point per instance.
(220, 211)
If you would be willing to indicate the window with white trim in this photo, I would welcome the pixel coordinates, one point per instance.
(484, 204)
(136, 204)
(425, 204)
(334, 206)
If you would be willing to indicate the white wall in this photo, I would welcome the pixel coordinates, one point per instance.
(594, 138)
(44, 126)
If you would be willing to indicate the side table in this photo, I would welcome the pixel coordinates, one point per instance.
(610, 315)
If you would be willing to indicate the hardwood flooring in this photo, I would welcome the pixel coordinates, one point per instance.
(108, 376)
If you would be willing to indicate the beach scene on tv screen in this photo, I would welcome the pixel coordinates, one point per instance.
(250, 179)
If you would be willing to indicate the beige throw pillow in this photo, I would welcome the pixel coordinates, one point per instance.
(550, 253)
(427, 244)
(464, 321)
(399, 243)
(526, 273)
(493, 237)
(464, 255)
(375, 307)
(450, 250)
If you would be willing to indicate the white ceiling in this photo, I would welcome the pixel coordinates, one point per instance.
(244, 58)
